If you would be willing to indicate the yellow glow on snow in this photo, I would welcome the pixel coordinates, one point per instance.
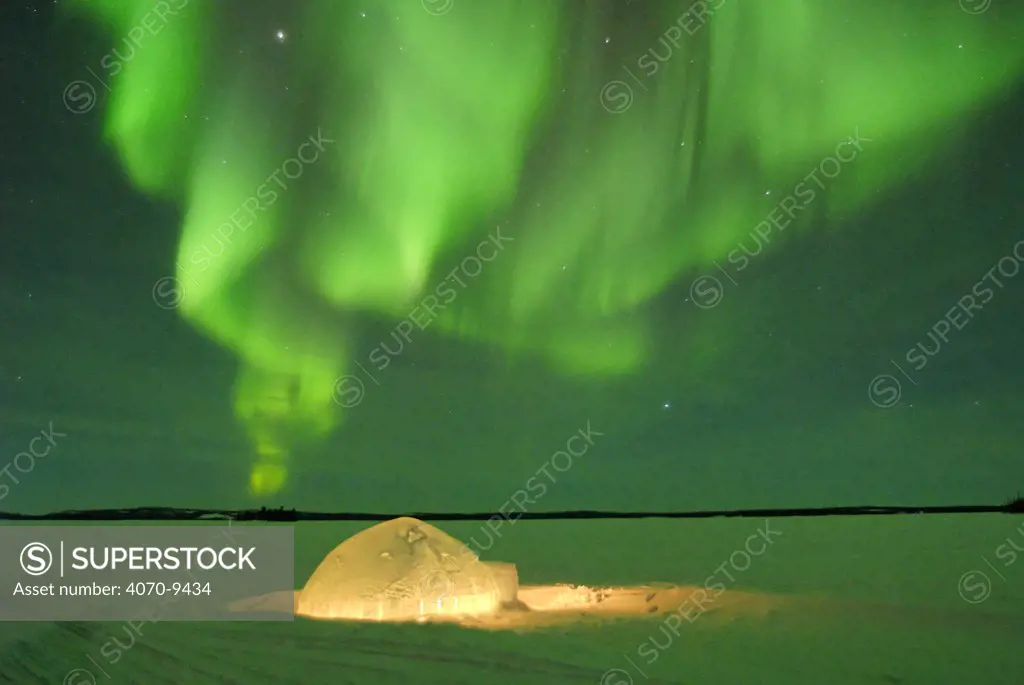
(406, 570)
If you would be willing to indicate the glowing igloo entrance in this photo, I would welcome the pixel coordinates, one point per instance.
(404, 569)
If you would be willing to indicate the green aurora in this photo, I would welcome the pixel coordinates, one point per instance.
(567, 182)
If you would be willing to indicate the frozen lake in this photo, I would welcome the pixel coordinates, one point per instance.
(895, 600)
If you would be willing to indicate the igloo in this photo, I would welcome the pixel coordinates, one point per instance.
(405, 569)
(408, 570)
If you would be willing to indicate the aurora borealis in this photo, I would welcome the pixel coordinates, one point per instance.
(523, 177)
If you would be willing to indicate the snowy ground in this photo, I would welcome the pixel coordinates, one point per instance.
(826, 600)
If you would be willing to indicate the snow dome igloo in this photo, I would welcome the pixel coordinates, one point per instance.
(404, 569)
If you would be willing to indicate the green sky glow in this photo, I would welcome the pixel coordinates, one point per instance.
(431, 135)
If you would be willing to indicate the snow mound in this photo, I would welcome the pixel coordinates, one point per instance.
(403, 569)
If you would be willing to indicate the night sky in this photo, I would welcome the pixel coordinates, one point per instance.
(394, 255)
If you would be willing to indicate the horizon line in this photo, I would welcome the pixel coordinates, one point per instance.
(156, 513)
